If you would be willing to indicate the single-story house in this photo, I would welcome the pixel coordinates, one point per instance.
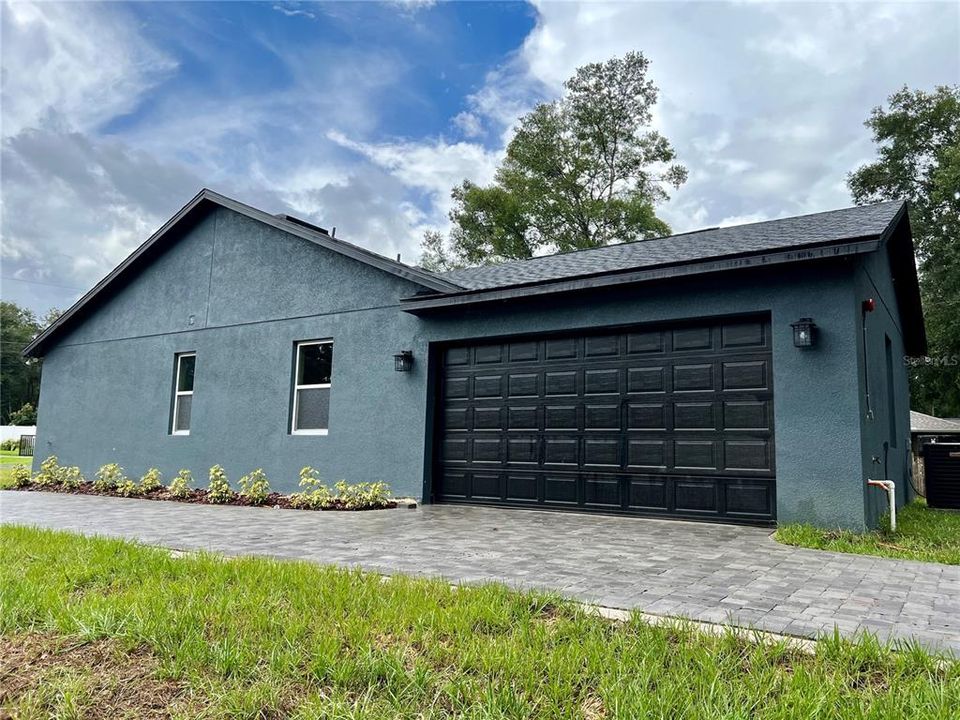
(749, 374)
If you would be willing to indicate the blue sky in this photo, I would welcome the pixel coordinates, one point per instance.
(364, 115)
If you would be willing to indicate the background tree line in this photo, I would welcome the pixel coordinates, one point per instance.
(19, 377)
(587, 170)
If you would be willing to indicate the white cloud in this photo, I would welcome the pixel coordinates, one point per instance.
(470, 125)
(82, 63)
(434, 166)
(291, 10)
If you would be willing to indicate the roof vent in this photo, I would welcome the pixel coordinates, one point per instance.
(301, 223)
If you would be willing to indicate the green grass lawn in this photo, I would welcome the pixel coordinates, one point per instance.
(9, 459)
(131, 631)
(922, 534)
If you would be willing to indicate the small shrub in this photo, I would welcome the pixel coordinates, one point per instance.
(20, 475)
(128, 488)
(218, 491)
(180, 485)
(10, 444)
(49, 472)
(151, 481)
(362, 496)
(108, 477)
(315, 496)
(71, 477)
(255, 487)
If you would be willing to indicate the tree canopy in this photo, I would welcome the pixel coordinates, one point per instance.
(918, 158)
(582, 171)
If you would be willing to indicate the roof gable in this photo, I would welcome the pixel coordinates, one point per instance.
(197, 207)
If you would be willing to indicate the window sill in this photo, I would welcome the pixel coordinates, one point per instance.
(180, 433)
(309, 432)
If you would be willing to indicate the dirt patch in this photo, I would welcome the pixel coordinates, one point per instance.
(47, 675)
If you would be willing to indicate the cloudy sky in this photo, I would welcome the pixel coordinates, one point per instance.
(364, 115)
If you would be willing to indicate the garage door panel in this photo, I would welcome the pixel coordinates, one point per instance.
(693, 338)
(602, 491)
(747, 455)
(647, 454)
(665, 421)
(695, 454)
(561, 451)
(645, 343)
(647, 416)
(747, 498)
(602, 382)
(747, 333)
(748, 375)
(601, 417)
(697, 496)
(650, 493)
(687, 378)
(487, 418)
(561, 349)
(522, 487)
(486, 486)
(562, 383)
(646, 379)
(561, 489)
(524, 385)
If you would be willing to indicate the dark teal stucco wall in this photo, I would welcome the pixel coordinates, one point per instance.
(885, 443)
(241, 294)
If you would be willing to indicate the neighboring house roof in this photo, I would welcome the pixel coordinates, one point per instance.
(921, 424)
(867, 221)
(203, 201)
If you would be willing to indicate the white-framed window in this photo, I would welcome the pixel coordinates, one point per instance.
(186, 363)
(311, 387)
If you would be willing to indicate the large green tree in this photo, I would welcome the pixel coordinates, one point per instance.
(19, 379)
(918, 158)
(582, 171)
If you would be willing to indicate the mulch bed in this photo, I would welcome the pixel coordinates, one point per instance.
(194, 497)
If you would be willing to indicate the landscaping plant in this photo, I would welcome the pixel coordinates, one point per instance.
(180, 486)
(128, 487)
(20, 476)
(315, 494)
(218, 491)
(71, 477)
(255, 487)
(108, 477)
(361, 496)
(151, 480)
(49, 472)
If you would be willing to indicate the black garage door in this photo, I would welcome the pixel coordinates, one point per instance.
(674, 421)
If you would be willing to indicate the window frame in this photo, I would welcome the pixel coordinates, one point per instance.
(294, 430)
(178, 393)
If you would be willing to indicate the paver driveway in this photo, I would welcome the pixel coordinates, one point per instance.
(714, 573)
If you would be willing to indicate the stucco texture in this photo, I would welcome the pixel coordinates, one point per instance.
(241, 294)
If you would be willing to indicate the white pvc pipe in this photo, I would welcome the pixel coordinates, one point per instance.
(891, 489)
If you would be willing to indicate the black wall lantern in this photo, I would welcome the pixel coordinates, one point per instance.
(804, 332)
(403, 361)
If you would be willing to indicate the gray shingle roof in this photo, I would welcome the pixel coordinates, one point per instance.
(836, 225)
(922, 424)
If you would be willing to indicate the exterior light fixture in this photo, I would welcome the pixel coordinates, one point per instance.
(403, 361)
(804, 332)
